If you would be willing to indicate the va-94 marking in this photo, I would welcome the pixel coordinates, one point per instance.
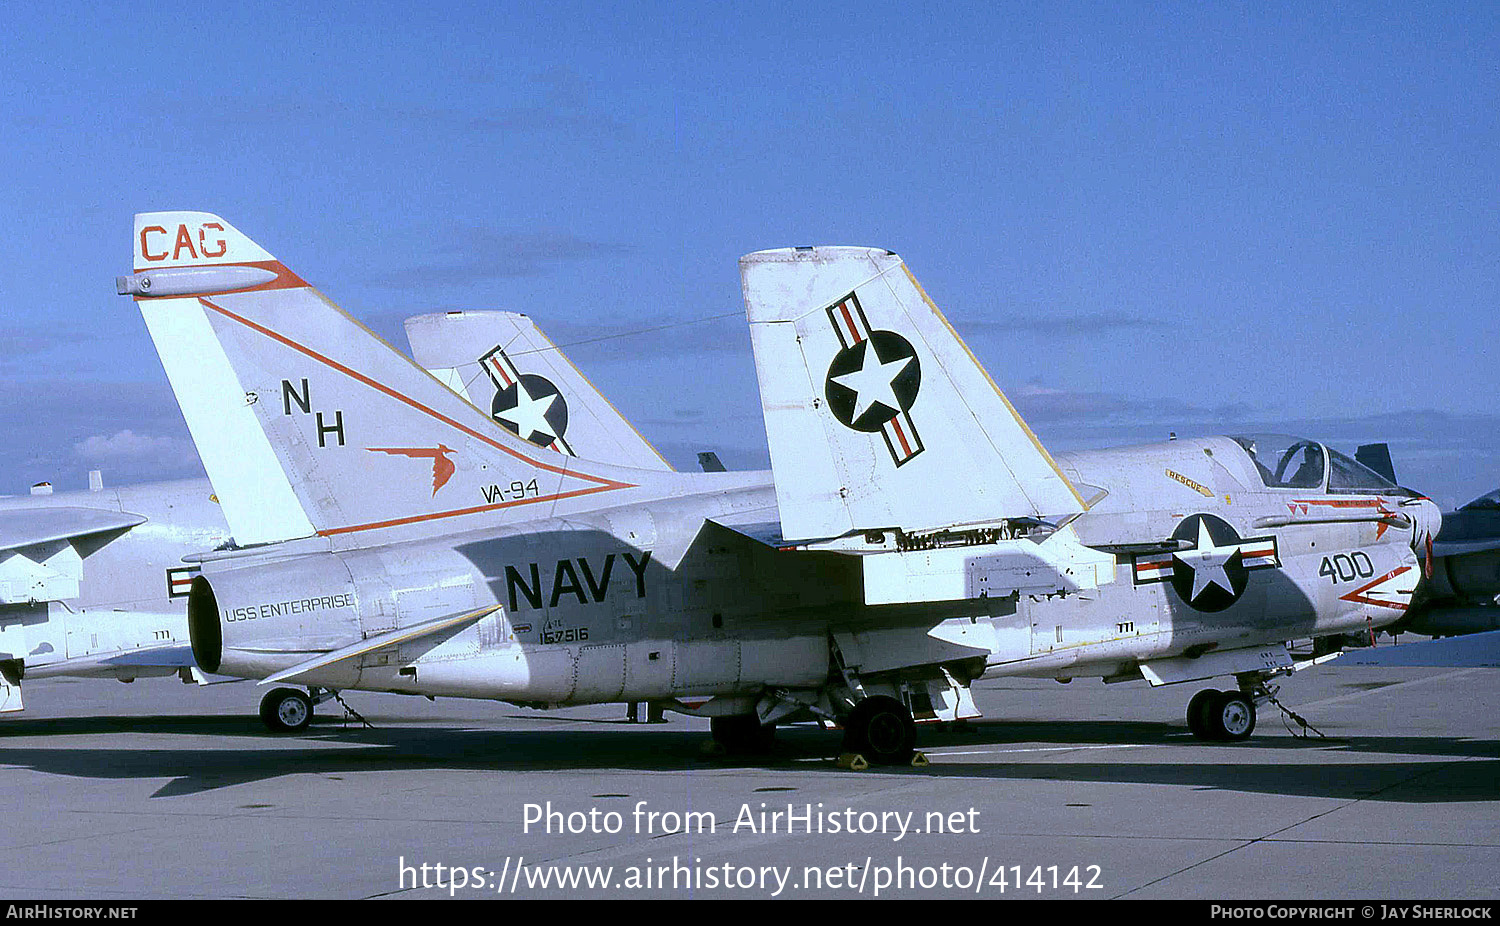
(515, 491)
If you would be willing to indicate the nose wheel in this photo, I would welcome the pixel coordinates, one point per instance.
(1223, 716)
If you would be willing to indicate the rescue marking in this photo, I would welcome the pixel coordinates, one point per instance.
(1172, 474)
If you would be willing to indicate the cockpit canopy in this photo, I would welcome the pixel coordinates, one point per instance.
(1286, 462)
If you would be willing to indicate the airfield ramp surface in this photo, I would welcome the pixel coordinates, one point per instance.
(160, 790)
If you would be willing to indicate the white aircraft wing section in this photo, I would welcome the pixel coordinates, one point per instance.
(1475, 650)
(504, 364)
(878, 416)
(38, 561)
(25, 527)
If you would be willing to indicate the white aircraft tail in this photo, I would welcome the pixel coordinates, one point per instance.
(305, 421)
(505, 365)
(878, 415)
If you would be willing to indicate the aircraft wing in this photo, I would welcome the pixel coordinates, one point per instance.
(1473, 528)
(38, 561)
(1477, 650)
(27, 527)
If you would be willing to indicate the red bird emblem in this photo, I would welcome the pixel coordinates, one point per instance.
(442, 467)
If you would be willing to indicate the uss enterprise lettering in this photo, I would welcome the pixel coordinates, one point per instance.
(578, 579)
(295, 606)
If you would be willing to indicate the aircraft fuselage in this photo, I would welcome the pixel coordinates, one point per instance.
(685, 606)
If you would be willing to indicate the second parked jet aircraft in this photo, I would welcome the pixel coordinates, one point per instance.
(915, 534)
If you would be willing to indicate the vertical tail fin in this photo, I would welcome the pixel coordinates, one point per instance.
(306, 422)
(504, 364)
(878, 415)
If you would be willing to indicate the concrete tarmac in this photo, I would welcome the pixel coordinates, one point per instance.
(160, 790)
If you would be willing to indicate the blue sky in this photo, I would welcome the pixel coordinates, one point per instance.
(1145, 218)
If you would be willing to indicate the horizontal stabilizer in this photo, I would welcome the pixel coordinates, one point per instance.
(380, 641)
(877, 414)
(172, 656)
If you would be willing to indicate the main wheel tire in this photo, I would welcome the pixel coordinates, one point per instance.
(1232, 716)
(1197, 712)
(286, 710)
(743, 734)
(881, 728)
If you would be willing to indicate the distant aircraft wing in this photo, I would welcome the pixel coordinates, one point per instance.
(504, 364)
(380, 641)
(1465, 547)
(1476, 650)
(38, 561)
(26, 527)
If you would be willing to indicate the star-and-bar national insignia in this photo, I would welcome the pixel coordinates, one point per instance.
(1213, 573)
(873, 380)
(527, 404)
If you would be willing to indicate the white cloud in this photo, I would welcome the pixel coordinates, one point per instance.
(127, 445)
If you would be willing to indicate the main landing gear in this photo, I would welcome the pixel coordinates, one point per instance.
(288, 710)
(882, 730)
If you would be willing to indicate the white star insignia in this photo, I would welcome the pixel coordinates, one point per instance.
(530, 414)
(873, 382)
(1207, 562)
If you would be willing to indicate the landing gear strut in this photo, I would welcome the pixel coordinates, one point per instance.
(881, 729)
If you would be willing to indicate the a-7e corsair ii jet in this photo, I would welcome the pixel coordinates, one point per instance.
(916, 535)
(94, 583)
